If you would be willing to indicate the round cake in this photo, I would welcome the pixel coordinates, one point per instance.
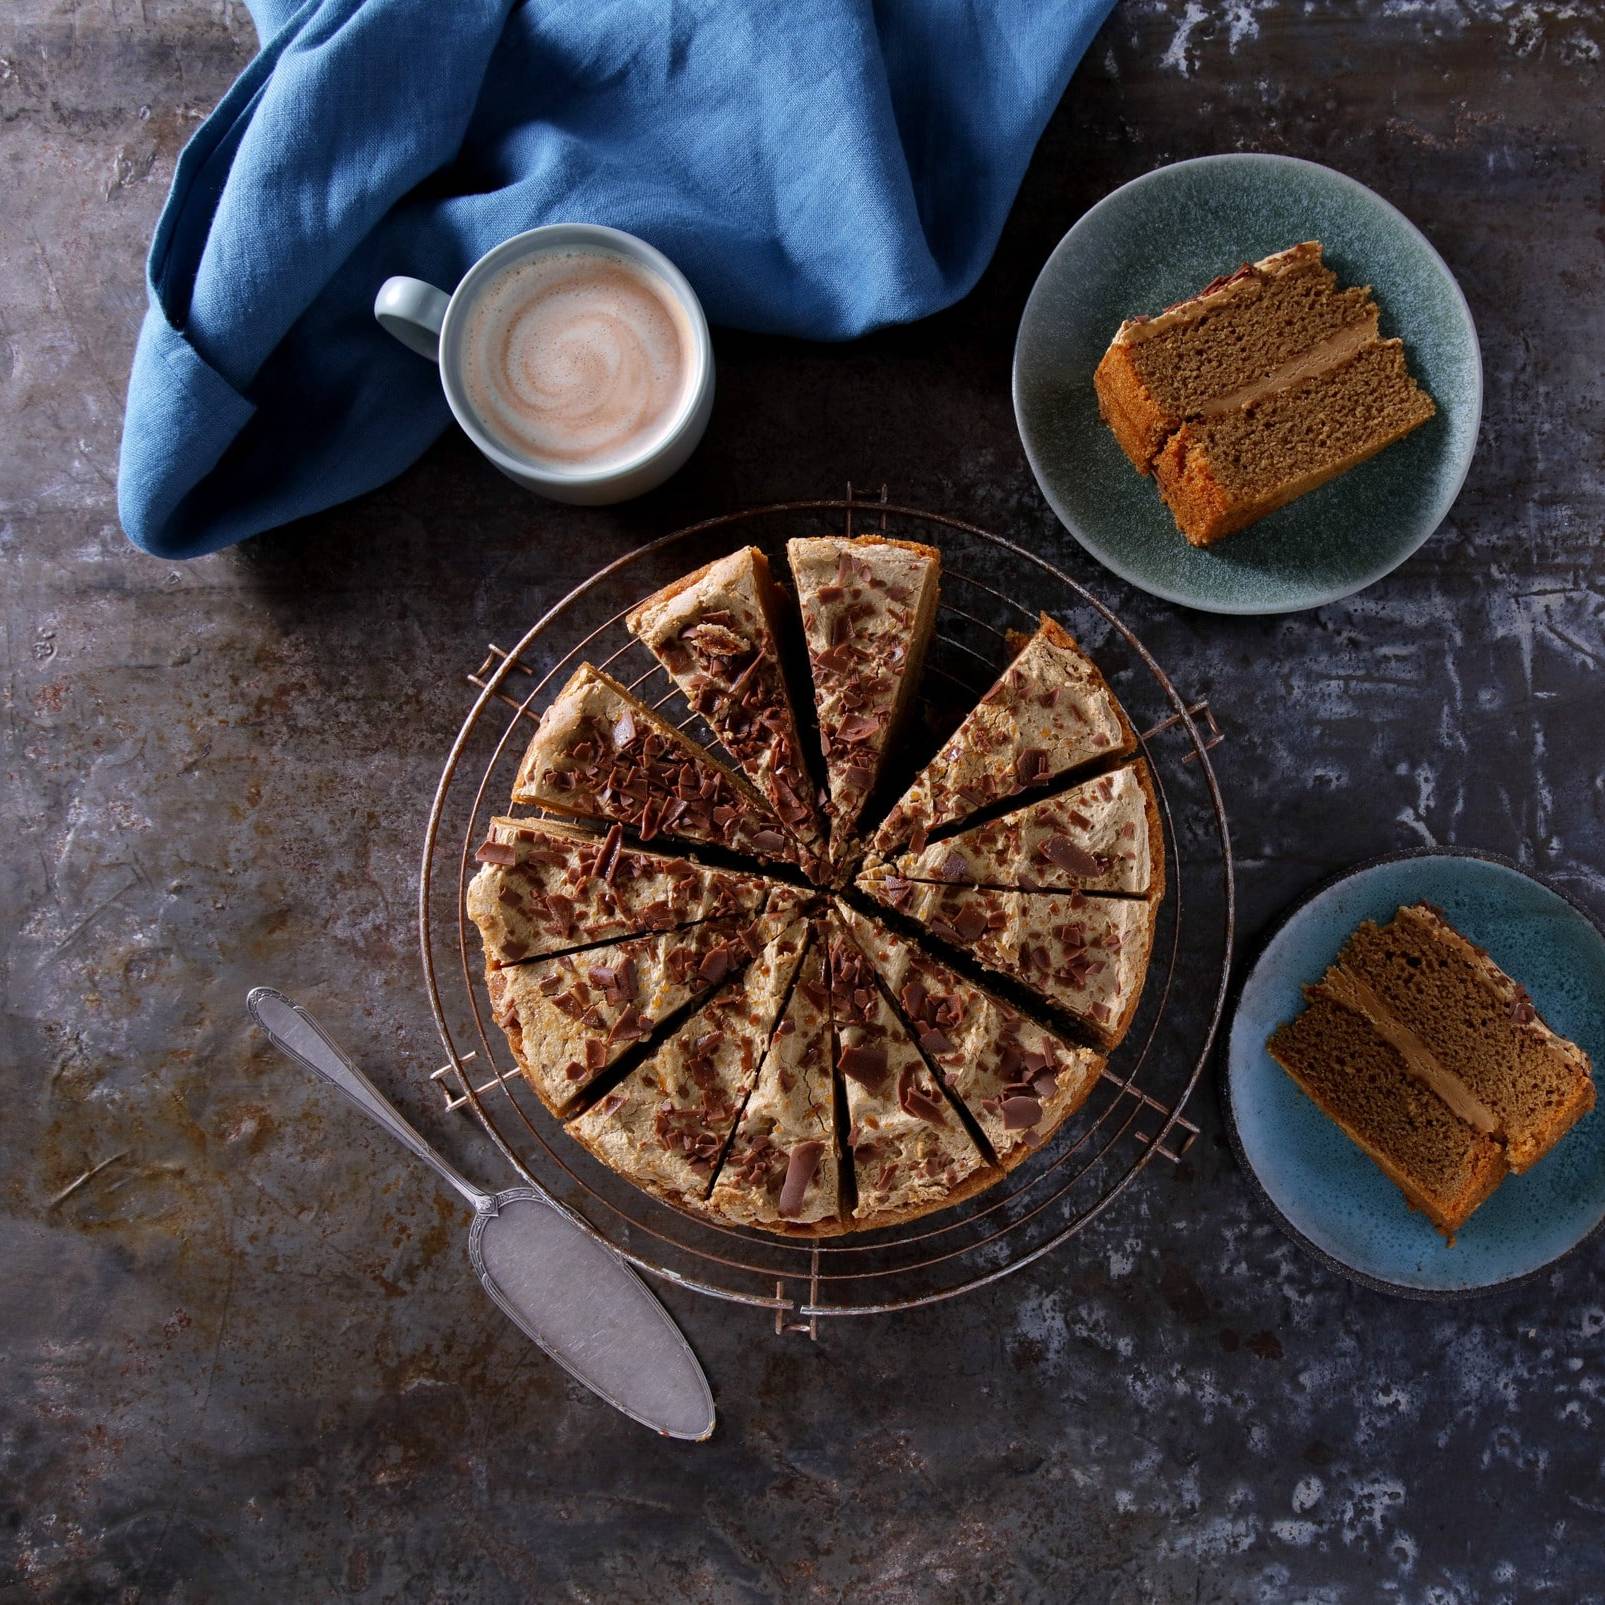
(772, 985)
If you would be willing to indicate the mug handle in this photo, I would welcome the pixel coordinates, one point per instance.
(413, 312)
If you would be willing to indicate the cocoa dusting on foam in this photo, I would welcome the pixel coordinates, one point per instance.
(576, 359)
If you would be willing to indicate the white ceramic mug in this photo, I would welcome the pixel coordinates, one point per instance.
(430, 322)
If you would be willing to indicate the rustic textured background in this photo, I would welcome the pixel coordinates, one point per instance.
(245, 1359)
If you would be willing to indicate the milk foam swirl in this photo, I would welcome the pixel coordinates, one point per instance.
(579, 359)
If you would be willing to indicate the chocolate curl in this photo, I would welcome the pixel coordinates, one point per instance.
(801, 1167)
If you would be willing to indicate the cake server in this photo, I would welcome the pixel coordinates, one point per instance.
(561, 1284)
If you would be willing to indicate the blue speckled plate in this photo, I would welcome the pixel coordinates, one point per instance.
(1157, 240)
(1329, 1194)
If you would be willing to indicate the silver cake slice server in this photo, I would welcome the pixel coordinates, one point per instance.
(575, 1296)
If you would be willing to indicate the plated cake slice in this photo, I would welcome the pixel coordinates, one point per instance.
(1267, 383)
(1435, 1061)
(568, 1019)
(1104, 835)
(714, 631)
(545, 887)
(783, 1169)
(1048, 713)
(666, 1125)
(868, 608)
(1087, 955)
(601, 753)
(1019, 1081)
(910, 1150)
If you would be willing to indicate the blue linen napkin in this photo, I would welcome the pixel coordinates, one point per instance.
(816, 168)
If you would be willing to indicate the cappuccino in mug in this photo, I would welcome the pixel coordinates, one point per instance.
(576, 360)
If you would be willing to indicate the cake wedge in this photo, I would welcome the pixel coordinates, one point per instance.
(667, 1124)
(868, 608)
(715, 633)
(568, 1019)
(1104, 835)
(910, 1150)
(783, 1168)
(545, 887)
(1019, 1081)
(1084, 954)
(1049, 712)
(601, 753)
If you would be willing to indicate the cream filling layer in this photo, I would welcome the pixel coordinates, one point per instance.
(1353, 993)
(1320, 358)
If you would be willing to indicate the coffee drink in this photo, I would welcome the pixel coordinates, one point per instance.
(576, 360)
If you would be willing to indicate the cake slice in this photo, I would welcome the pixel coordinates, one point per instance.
(714, 632)
(1435, 1061)
(1019, 1081)
(868, 608)
(1104, 835)
(1267, 383)
(1226, 345)
(545, 887)
(783, 1169)
(568, 1019)
(1361, 1079)
(911, 1152)
(666, 1125)
(1221, 473)
(1504, 1067)
(1087, 955)
(1049, 712)
(601, 753)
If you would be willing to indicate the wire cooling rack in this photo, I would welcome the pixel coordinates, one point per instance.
(990, 586)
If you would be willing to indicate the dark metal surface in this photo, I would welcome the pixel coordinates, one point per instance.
(245, 1354)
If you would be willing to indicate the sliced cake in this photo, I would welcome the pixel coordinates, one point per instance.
(1087, 955)
(1360, 1078)
(1048, 713)
(1478, 1023)
(601, 753)
(1019, 1081)
(714, 631)
(1104, 835)
(1434, 1020)
(568, 1019)
(783, 1168)
(545, 887)
(868, 609)
(666, 1125)
(1267, 383)
(910, 1150)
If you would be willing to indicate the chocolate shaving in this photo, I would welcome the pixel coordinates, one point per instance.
(1066, 855)
(608, 862)
(801, 1166)
(503, 853)
(1020, 1112)
(715, 965)
(865, 1065)
(1031, 766)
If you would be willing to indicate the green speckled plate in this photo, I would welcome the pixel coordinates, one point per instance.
(1327, 1193)
(1159, 239)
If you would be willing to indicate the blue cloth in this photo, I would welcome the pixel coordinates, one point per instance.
(816, 167)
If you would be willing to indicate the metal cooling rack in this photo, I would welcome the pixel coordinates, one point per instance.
(990, 586)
